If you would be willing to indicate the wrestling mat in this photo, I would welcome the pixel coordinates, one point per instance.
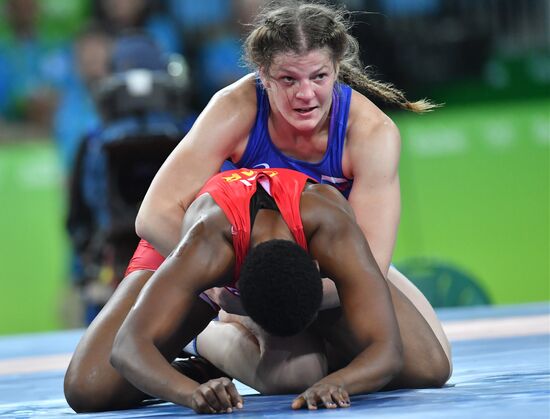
(501, 370)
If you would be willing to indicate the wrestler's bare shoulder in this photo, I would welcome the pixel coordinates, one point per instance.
(229, 117)
(372, 138)
(239, 95)
(206, 212)
(366, 118)
(322, 203)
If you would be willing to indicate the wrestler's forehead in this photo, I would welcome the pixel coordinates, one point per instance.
(312, 60)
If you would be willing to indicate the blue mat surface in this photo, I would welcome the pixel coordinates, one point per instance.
(504, 376)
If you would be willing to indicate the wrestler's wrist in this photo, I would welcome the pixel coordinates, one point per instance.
(184, 394)
(185, 398)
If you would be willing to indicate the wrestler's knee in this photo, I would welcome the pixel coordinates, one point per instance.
(87, 390)
(80, 392)
(432, 372)
(440, 372)
(435, 377)
(437, 366)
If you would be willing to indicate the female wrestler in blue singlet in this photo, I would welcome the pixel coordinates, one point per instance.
(261, 152)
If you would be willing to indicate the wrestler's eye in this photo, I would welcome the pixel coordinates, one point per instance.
(287, 79)
(320, 76)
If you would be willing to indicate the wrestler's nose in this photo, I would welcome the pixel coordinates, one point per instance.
(305, 90)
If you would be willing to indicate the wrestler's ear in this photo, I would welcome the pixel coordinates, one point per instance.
(264, 77)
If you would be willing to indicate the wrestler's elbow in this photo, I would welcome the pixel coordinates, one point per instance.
(142, 224)
(160, 225)
(121, 352)
(396, 361)
(375, 373)
(392, 363)
(148, 224)
(149, 215)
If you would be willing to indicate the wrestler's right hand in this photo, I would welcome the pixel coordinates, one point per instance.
(216, 396)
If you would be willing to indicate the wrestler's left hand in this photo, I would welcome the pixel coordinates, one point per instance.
(216, 396)
(325, 395)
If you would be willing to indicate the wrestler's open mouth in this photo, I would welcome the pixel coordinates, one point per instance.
(305, 110)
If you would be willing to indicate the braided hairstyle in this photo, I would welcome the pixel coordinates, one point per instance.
(302, 26)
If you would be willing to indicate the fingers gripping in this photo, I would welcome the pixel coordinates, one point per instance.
(342, 397)
(216, 396)
(328, 396)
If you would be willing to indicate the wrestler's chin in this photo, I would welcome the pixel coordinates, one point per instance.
(306, 122)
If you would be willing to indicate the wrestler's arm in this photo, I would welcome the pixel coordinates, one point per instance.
(344, 254)
(373, 151)
(215, 136)
(231, 303)
(167, 315)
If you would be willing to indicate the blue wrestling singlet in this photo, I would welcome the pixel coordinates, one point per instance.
(260, 151)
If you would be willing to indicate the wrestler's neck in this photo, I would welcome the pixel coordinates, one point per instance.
(307, 144)
(269, 225)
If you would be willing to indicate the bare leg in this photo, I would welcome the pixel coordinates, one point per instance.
(426, 350)
(425, 309)
(268, 364)
(91, 383)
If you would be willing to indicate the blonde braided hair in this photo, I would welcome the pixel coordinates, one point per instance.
(302, 26)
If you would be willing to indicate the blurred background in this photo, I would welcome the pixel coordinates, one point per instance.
(95, 94)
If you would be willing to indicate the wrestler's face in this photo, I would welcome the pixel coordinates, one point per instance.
(300, 88)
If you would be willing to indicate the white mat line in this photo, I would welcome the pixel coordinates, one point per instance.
(31, 364)
(58, 404)
(503, 327)
(455, 330)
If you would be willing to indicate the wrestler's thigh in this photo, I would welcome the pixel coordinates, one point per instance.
(421, 303)
(266, 363)
(91, 383)
(426, 363)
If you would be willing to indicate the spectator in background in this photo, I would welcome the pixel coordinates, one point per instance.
(76, 114)
(33, 68)
(195, 17)
(214, 30)
(219, 57)
(119, 16)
